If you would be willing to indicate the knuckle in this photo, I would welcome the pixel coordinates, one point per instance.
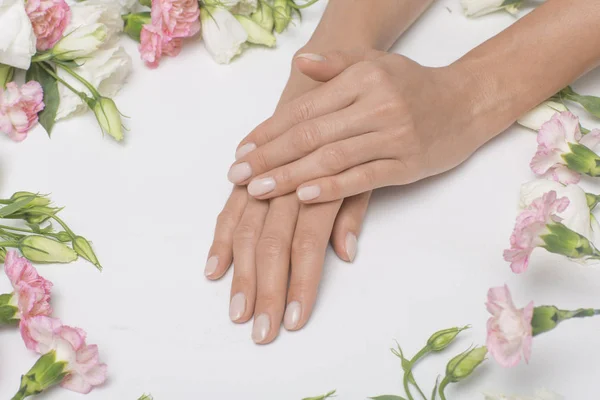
(306, 137)
(244, 233)
(260, 160)
(242, 280)
(333, 159)
(226, 218)
(270, 245)
(369, 176)
(305, 242)
(269, 298)
(375, 74)
(335, 188)
(301, 111)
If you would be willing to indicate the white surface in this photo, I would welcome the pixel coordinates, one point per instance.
(427, 255)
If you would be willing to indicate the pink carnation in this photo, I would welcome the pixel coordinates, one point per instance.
(553, 139)
(509, 329)
(531, 224)
(176, 18)
(31, 291)
(19, 108)
(154, 43)
(49, 19)
(85, 369)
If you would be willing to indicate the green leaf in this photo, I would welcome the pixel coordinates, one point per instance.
(16, 206)
(435, 388)
(388, 397)
(51, 97)
(323, 397)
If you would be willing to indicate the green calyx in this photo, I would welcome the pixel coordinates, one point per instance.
(45, 373)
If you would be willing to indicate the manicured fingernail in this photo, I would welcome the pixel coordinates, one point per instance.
(239, 173)
(351, 245)
(237, 307)
(292, 315)
(258, 187)
(311, 57)
(211, 265)
(261, 327)
(309, 193)
(245, 149)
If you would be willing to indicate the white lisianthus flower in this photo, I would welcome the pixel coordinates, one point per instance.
(543, 113)
(17, 40)
(576, 216)
(106, 12)
(124, 6)
(107, 71)
(223, 35)
(477, 8)
(81, 42)
(539, 395)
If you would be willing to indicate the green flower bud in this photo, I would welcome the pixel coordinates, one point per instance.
(6, 75)
(582, 160)
(146, 397)
(442, 339)
(256, 33)
(546, 318)
(564, 241)
(45, 373)
(282, 14)
(264, 16)
(84, 249)
(8, 309)
(464, 364)
(64, 237)
(44, 250)
(39, 200)
(109, 117)
(135, 22)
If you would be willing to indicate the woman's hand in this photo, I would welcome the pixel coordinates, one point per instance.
(384, 120)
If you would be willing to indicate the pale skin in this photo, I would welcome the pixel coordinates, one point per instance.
(376, 119)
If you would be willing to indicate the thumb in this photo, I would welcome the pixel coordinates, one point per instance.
(326, 66)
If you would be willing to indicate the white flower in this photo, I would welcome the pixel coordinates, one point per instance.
(256, 33)
(125, 6)
(81, 42)
(106, 12)
(576, 216)
(106, 70)
(539, 395)
(477, 8)
(17, 40)
(223, 34)
(537, 117)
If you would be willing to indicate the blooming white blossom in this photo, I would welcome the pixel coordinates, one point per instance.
(223, 35)
(17, 40)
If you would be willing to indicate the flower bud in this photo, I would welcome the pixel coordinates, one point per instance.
(80, 43)
(109, 117)
(6, 75)
(39, 199)
(264, 16)
(44, 250)
(84, 249)
(63, 236)
(464, 364)
(477, 8)
(583, 160)
(564, 241)
(134, 23)
(8, 309)
(546, 318)
(45, 373)
(256, 33)
(282, 14)
(442, 339)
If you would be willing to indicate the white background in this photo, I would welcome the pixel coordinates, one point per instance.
(427, 255)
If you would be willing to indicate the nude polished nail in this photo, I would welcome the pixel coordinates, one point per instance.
(237, 306)
(351, 246)
(239, 173)
(309, 193)
(311, 57)
(293, 312)
(258, 187)
(261, 327)
(245, 149)
(211, 265)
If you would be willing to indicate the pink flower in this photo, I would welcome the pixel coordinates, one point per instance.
(19, 108)
(176, 18)
(553, 139)
(31, 291)
(530, 225)
(509, 329)
(49, 19)
(85, 369)
(154, 43)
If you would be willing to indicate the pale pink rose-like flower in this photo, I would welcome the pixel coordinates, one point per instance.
(509, 329)
(31, 291)
(530, 225)
(49, 19)
(553, 139)
(85, 369)
(176, 18)
(19, 108)
(154, 44)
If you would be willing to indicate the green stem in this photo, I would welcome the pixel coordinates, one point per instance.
(408, 374)
(75, 75)
(9, 244)
(63, 224)
(443, 385)
(306, 5)
(68, 86)
(19, 396)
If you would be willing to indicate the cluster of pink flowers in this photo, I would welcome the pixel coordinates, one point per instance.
(49, 19)
(531, 224)
(172, 21)
(19, 108)
(42, 333)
